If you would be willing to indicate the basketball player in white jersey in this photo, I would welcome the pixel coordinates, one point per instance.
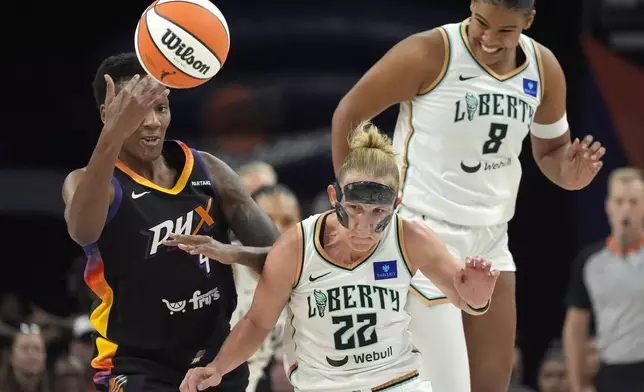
(469, 93)
(344, 276)
(281, 205)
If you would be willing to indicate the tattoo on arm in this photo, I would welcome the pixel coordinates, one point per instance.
(251, 225)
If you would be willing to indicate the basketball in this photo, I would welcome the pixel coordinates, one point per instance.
(182, 43)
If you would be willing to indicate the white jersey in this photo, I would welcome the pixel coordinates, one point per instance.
(460, 141)
(347, 329)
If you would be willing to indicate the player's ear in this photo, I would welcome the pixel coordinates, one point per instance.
(102, 111)
(530, 19)
(472, 5)
(333, 197)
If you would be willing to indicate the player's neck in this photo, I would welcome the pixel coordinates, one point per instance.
(632, 239)
(150, 170)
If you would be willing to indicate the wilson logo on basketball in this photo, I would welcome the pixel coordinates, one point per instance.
(185, 52)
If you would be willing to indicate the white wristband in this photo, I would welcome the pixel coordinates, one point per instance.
(550, 131)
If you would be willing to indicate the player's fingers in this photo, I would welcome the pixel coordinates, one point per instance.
(194, 380)
(187, 248)
(597, 166)
(210, 382)
(188, 239)
(131, 84)
(587, 142)
(184, 384)
(486, 265)
(572, 151)
(594, 147)
(143, 87)
(591, 150)
(156, 95)
(598, 154)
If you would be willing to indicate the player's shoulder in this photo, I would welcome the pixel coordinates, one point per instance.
(288, 243)
(428, 43)
(589, 252)
(414, 231)
(548, 58)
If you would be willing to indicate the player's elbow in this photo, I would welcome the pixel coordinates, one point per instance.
(80, 233)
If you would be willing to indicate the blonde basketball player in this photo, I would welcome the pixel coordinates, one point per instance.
(470, 92)
(282, 207)
(345, 275)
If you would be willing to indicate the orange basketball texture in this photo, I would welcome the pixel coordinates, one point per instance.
(182, 43)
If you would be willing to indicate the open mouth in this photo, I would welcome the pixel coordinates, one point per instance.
(151, 141)
(490, 49)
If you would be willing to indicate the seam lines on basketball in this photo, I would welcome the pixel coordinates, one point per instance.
(147, 27)
(225, 27)
(190, 33)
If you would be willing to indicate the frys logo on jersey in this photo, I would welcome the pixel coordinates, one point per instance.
(503, 105)
(364, 296)
(190, 223)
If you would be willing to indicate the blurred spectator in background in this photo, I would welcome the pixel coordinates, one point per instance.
(76, 287)
(552, 372)
(267, 372)
(73, 372)
(255, 175)
(516, 380)
(607, 281)
(22, 368)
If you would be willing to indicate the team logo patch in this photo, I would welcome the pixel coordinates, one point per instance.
(198, 357)
(385, 270)
(530, 87)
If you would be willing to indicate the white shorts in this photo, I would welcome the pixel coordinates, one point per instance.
(490, 242)
(415, 385)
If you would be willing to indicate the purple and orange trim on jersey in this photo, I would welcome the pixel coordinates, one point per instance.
(181, 182)
(118, 197)
(95, 279)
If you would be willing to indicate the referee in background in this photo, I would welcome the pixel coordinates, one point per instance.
(607, 283)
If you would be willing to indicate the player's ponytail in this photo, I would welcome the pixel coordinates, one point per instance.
(371, 154)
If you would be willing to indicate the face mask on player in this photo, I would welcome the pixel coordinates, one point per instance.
(365, 192)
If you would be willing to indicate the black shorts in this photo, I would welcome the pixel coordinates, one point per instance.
(620, 378)
(169, 381)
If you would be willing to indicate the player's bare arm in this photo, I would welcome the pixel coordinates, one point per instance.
(428, 254)
(88, 192)
(271, 297)
(558, 157)
(575, 343)
(406, 70)
(251, 225)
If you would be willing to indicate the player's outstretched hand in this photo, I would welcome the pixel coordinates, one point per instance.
(199, 379)
(125, 111)
(475, 282)
(204, 245)
(582, 162)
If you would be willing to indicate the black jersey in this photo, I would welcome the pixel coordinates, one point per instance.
(158, 303)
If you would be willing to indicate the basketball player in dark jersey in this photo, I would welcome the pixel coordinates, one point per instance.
(157, 306)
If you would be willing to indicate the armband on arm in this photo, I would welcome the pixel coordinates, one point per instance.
(550, 131)
(480, 310)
